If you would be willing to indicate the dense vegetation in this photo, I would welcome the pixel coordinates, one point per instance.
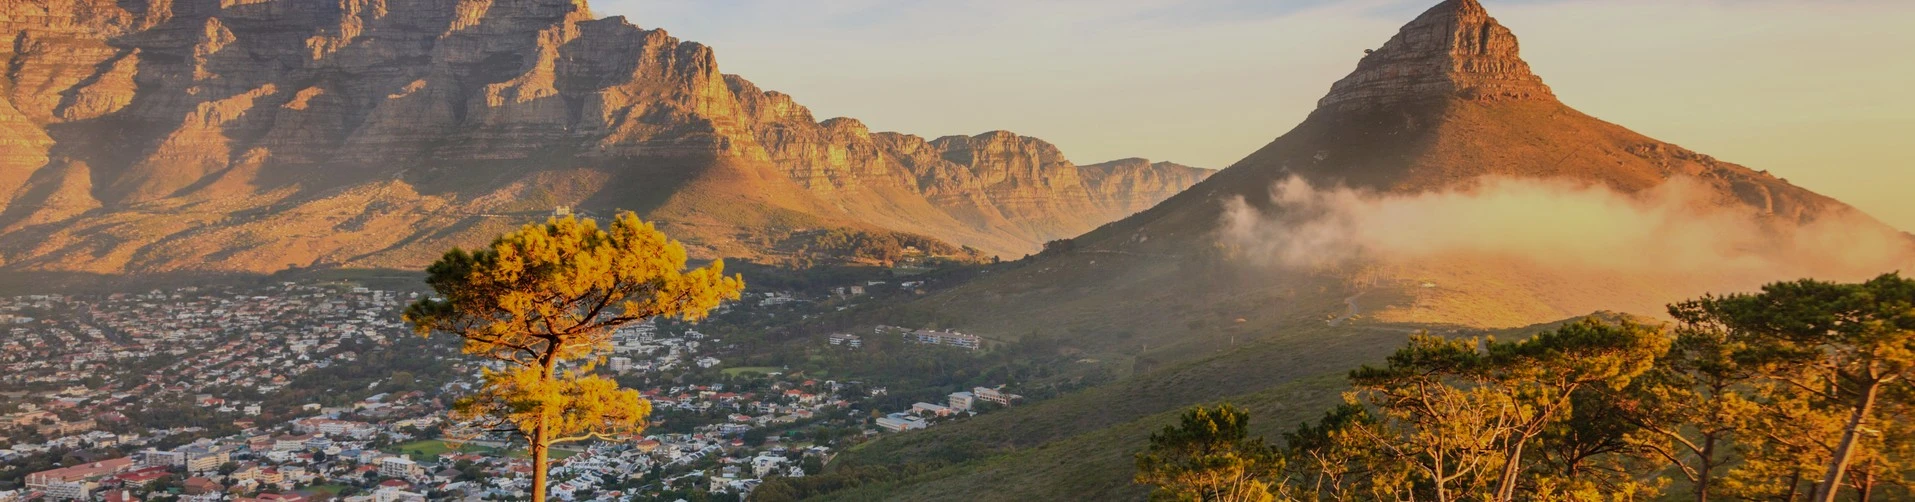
(1799, 392)
(887, 248)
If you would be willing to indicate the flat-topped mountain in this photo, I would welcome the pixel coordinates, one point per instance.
(206, 135)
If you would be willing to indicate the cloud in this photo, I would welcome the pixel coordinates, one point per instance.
(1555, 225)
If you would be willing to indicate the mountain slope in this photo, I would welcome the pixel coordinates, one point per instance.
(254, 136)
(1263, 283)
(1440, 184)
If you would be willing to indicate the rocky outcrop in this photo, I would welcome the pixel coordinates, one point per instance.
(166, 134)
(1454, 50)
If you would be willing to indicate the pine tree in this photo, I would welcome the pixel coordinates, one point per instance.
(551, 294)
(1837, 349)
(1209, 456)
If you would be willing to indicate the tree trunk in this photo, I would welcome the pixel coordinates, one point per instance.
(1795, 483)
(1507, 491)
(1708, 464)
(542, 434)
(1838, 465)
(539, 461)
(1866, 483)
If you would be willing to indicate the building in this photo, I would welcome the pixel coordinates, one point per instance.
(76, 482)
(152, 457)
(932, 409)
(764, 465)
(994, 395)
(962, 401)
(394, 494)
(291, 443)
(847, 340)
(398, 467)
(201, 486)
(947, 338)
(202, 458)
(898, 422)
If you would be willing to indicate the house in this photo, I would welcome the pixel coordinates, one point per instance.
(201, 486)
(847, 340)
(764, 465)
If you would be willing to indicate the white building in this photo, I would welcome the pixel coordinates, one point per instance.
(764, 465)
(397, 467)
(962, 401)
(932, 409)
(390, 494)
(898, 422)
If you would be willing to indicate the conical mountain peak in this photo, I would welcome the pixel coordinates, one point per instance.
(1454, 50)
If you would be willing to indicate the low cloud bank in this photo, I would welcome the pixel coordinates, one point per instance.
(1559, 225)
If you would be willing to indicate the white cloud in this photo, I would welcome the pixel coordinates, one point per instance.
(1556, 225)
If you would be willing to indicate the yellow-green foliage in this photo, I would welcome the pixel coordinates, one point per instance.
(553, 293)
(1209, 456)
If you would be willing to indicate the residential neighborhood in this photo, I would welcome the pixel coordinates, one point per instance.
(296, 391)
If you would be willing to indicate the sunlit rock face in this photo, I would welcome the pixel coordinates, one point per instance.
(1453, 50)
(256, 135)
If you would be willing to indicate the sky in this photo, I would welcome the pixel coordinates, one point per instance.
(1820, 92)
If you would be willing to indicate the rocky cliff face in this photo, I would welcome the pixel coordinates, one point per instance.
(1132, 185)
(195, 134)
(1006, 191)
(1454, 50)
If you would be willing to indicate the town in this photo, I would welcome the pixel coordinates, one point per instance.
(295, 392)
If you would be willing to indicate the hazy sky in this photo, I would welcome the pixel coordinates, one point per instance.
(1821, 92)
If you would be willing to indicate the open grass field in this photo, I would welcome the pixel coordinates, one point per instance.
(430, 449)
(732, 372)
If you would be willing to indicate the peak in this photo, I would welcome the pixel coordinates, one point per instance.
(846, 125)
(1454, 50)
(1460, 8)
(1139, 163)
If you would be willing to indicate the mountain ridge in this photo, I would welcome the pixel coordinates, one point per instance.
(149, 136)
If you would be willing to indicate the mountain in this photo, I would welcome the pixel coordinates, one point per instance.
(1235, 291)
(1440, 184)
(259, 135)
